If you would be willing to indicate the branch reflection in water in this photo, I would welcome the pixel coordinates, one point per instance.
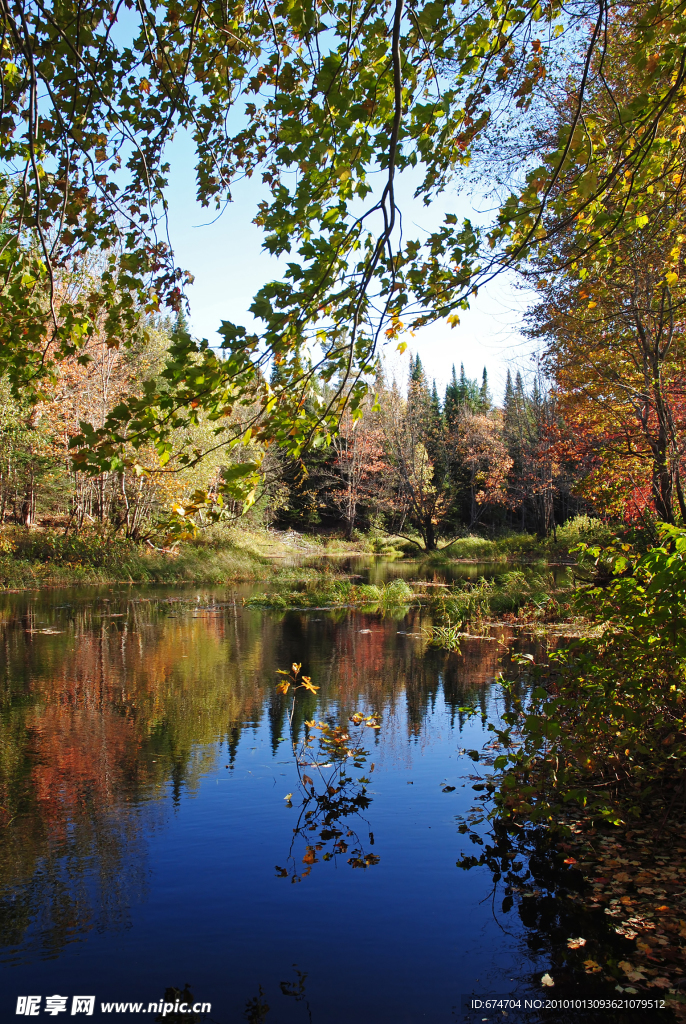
(329, 795)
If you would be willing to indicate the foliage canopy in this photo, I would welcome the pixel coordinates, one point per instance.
(329, 102)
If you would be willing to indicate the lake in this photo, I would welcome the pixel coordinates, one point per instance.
(151, 852)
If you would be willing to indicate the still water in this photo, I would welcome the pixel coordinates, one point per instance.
(148, 845)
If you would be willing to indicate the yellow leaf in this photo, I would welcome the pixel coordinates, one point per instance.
(671, 278)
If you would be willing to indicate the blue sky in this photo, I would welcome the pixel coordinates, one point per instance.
(229, 265)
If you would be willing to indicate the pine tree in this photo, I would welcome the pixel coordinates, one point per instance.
(417, 375)
(451, 403)
(463, 386)
(180, 325)
(484, 394)
(509, 394)
(435, 402)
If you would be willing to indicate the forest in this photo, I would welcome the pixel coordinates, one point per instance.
(114, 414)
(413, 464)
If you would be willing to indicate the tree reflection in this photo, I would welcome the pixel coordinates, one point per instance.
(257, 1008)
(121, 708)
(330, 798)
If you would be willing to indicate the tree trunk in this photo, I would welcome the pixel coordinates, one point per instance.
(429, 535)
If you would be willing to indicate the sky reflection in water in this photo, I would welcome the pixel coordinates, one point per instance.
(145, 762)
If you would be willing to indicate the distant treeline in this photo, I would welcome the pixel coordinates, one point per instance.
(430, 467)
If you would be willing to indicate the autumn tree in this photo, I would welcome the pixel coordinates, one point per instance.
(360, 461)
(481, 455)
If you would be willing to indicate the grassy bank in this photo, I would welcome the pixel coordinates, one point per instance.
(522, 547)
(46, 558)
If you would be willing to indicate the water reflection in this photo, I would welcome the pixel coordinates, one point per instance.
(118, 705)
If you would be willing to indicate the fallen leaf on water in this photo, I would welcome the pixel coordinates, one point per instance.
(631, 972)
(662, 982)
(576, 943)
(570, 860)
(288, 796)
(592, 967)
(547, 981)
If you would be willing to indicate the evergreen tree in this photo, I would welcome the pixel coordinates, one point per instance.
(451, 403)
(417, 379)
(484, 394)
(509, 395)
(463, 387)
(180, 325)
(435, 403)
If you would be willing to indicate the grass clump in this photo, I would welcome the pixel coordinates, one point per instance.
(524, 596)
(315, 589)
